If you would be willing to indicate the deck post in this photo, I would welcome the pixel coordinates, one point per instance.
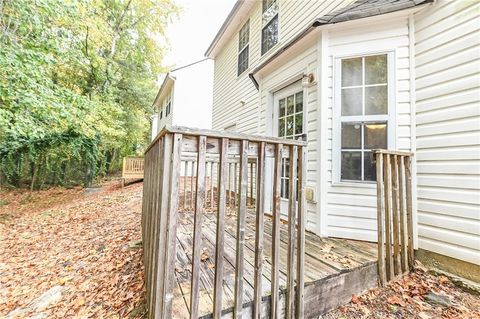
(197, 226)
(408, 178)
(171, 242)
(165, 169)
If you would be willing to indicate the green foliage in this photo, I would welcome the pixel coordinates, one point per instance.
(77, 81)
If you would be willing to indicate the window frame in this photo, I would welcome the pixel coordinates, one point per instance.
(284, 93)
(266, 22)
(242, 49)
(338, 119)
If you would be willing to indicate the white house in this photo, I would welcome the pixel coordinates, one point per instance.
(182, 101)
(353, 76)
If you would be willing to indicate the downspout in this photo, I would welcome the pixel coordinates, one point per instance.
(254, 81)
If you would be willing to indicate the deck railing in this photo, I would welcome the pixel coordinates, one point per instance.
(230, 166)
(394, 214)
(132, 167)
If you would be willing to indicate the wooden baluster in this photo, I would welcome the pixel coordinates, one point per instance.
(192, 186)
(197, 227)
(380, 220)
(235, 185)
(229, 183)
(302, 160)
(171, 242)
(275, 312)
(259, 229)
(408, 184)
(211, 185)
(219, 253)
(240, 243)
(403, 238)
(185, 187)
(388, 219)
(395, 217)
(292, 195)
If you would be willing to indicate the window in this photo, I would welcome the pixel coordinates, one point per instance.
(290, 116)
(364, 122)
(290, 125)
(243, 40)
(270, 25)
(168, 104)
(161, 114)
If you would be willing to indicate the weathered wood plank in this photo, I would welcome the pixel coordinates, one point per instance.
(299, 300)
(408, 190)
(257, 297)
(172, 224)
(276, 232)
(165, 169)
(388, 218)
(292, 195)
(240, 243)
(403, 228)
(197, 227)
(395, 216)
(219, 258)
(380, 220)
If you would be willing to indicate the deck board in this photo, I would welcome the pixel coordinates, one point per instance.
(325, 258)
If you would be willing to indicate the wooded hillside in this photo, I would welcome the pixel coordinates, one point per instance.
(77, 82)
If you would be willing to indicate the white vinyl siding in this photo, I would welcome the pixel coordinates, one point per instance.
(231, 90)
(447, 58)
(351, 207)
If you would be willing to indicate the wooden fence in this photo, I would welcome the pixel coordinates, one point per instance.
(163, 164)
(394, 214)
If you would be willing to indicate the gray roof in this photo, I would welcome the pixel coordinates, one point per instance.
(357, 10)
(367, 8)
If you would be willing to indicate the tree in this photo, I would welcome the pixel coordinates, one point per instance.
(77, 81)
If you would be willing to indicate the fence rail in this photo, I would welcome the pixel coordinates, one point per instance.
(394, 214)
(236, 165)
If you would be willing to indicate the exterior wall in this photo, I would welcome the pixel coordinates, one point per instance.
(165, 120)
(302, 63)
(192, 99)
(447, 57)
(351, 207)
(235, 99)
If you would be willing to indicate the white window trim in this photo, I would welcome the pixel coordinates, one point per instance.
(391, 117)
(264, 24)
(283, 93)
(243, 48)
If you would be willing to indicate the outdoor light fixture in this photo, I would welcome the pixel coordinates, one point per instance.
(308, 79)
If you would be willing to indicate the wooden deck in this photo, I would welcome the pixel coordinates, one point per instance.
(334, 268)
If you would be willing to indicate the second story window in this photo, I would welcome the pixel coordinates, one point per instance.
(269, 25)
(168, 105)
(243, 40)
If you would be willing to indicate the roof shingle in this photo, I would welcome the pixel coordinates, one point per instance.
(367, 8)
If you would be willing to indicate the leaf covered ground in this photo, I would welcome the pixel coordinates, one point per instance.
(418, 295)
(81, 251)
(80, 244)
